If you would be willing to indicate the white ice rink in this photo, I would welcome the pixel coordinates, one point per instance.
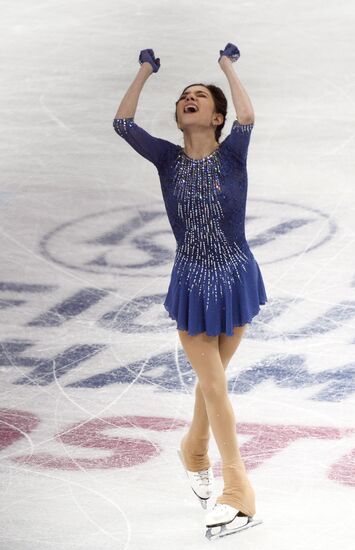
(96, 392)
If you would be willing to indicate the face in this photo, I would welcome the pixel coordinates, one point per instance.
(204, 113)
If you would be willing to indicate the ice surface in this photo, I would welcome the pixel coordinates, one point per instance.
(96, 392)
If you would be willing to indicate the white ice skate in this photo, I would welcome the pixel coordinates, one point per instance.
(223, 514)
(201, 482)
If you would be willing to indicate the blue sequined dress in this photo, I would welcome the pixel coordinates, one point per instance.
(215, 282)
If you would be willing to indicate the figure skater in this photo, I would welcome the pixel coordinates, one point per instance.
(216, 287)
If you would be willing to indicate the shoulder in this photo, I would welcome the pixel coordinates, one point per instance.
(237, 141)
(241, 127)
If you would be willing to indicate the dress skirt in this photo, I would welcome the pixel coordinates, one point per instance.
(199, 310)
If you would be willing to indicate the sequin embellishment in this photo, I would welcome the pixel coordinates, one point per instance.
(120, 125)
(210, 262)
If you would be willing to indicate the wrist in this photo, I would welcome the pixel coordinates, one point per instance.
(146, 68)
(225, 62)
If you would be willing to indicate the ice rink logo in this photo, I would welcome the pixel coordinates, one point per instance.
(138, 241)
(130, 441)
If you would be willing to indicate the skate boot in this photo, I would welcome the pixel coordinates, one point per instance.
(201, 481)
(237, 494)
(222, 515)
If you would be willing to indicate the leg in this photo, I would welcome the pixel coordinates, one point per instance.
(203, 354)
(197, 438)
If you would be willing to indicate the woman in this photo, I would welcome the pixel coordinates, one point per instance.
(216, 286)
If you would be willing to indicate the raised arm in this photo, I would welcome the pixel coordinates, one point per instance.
(128, 105)
(239, 137)
(242, 104)
(152, 148)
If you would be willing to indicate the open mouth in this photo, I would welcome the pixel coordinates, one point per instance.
(190, 109)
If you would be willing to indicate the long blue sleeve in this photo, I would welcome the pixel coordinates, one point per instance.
(150, 147)
(238, 140)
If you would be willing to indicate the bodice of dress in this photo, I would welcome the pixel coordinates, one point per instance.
(205, 200)
(209, 254)
(203, 197)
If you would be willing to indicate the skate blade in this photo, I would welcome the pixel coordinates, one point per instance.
(222, 530)
(203, 501)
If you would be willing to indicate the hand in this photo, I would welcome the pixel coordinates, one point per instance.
(230, 51)
(148, 56)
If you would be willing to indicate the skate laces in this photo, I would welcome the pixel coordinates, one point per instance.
(203, 476)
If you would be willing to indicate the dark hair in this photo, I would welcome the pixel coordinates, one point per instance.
(220, 103)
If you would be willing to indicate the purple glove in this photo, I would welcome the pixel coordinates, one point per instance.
(148, 55)
(230, 51)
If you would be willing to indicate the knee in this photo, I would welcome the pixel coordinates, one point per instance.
(214, 389)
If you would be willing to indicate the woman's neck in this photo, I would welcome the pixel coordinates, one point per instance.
(199, 146)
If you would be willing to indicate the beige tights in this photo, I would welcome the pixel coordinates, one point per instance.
(213, 408)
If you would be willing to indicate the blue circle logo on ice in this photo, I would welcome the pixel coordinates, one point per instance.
(138, 241)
